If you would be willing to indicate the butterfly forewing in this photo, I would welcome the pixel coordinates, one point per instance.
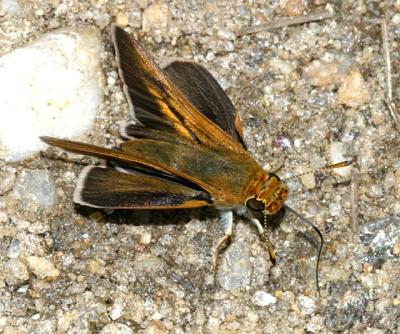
(150, 89)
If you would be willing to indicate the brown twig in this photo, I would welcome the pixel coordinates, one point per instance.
(354, 201)
(288, 21)
(389, 94)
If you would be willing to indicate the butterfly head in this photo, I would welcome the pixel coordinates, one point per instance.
(271, 197)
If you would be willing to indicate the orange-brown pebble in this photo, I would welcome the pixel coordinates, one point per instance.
(294, 7)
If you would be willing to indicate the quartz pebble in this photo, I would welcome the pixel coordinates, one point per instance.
(235, 267)
(262, 298)
(59, 90)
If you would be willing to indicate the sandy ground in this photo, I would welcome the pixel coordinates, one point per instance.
(306, 94)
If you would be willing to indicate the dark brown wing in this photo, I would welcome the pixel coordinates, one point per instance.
(108, 188)
(151, 91)
(204, 92)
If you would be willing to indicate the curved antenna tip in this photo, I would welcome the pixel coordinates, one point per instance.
(307, 222)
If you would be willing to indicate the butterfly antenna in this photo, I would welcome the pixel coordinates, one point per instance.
(307, 222)
(324, 169)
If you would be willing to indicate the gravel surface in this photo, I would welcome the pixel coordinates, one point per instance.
(309, 95)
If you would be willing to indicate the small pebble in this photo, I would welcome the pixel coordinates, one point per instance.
(42, 267)
(262, 298)
(149, 263)
(323, 74)
(235, 266)
(121, 19)
(396, 19)
(15, 272)
(294, 7)
(155, 327)
(226, 34)
(145, 238)
(367, 268)
(369, 280)
(308, 180)
(396, 249)
(253, 317)
(156, 17)
(35, 187)
(116, 311)
(353, 92)
(307, 304)
(334, 273)
(284, 67)
(116, 329)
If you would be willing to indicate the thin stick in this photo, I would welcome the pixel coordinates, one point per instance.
(288, 21)
(389, 94)
(354, 201)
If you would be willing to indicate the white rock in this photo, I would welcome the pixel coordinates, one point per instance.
(396, 19)
(116, 311)
(145, 238)
(262, 298)
(307, 304)
(51, 87)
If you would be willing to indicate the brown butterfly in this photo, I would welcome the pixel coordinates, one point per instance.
(184, 149)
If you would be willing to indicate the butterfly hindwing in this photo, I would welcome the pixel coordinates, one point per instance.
(103, 187)
(205, 93)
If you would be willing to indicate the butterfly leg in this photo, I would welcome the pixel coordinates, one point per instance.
(227, 222)
(263, 235)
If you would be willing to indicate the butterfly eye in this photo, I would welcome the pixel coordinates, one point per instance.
(255, 205)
